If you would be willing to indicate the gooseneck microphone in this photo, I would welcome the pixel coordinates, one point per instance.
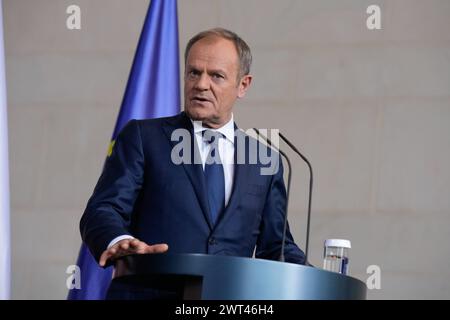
(310, 191)
(288, 189)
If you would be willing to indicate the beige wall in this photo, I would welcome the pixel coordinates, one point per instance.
(371, 109)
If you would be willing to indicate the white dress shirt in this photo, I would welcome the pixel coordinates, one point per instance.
(226, 153)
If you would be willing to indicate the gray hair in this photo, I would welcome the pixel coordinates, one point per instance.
(243, 50)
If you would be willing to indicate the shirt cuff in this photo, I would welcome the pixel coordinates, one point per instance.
(119, 238)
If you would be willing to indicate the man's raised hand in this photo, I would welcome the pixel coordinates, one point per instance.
(130, 246)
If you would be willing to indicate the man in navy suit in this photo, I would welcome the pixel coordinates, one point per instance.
(147, 201)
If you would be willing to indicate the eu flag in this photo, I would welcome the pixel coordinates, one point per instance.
(153, 91)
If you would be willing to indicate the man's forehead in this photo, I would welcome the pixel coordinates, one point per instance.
(213, 39)
(213, 48)
(209, 61)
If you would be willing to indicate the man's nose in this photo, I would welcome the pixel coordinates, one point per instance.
(203, 82)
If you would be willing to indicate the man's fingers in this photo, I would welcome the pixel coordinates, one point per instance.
(131, 247)
(104, 257)
(135, 242)
(162, 247)
(157, 248)
(124, 245)
(113, 252)
(137, 246)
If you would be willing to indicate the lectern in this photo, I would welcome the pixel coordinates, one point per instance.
(212, 277)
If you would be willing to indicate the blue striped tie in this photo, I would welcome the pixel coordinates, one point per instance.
(214, 177)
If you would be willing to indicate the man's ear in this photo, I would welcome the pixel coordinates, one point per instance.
(244, 85)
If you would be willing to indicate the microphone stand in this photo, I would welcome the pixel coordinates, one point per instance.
(288, 189)
(310, 191)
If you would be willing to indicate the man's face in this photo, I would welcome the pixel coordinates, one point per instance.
(211, 84)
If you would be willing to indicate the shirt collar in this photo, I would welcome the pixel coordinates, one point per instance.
(227, 129)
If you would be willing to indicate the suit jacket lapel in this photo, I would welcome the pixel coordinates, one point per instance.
(194, 170)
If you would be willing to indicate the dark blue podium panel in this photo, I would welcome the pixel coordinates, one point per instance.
(228, 278)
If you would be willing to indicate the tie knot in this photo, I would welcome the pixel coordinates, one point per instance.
(212, 137)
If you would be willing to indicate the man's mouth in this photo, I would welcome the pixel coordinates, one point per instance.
(200, 99)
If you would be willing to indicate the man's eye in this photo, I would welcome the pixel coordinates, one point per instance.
(218, 76)
(194, 73)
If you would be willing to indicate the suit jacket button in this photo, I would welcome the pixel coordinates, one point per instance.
(212, 241)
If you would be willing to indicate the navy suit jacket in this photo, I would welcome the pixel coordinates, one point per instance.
(141, 192)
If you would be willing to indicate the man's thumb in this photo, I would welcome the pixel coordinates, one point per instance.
(159, 248)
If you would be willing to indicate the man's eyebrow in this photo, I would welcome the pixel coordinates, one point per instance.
(217, 71)
(221, 71)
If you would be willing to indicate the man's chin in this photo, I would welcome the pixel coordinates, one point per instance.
(208, 119)
(196, 115)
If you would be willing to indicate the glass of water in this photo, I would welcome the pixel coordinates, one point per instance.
(335, 255)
